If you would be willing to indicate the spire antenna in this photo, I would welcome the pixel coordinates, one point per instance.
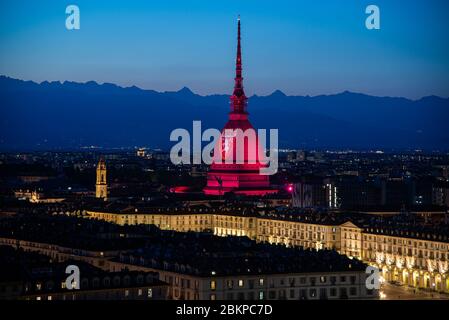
(238, 99)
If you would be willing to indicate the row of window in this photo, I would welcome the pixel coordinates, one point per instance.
(312, 293)
(410, 243)
(291, 281)
(140, 293)
(298, 226)
(409, 252)
(293, 234)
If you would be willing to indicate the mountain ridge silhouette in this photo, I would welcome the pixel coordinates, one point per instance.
(70, 114)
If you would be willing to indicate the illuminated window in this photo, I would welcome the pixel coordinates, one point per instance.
(213, 297)
(312, 293)
(126, 293)
(49, 297)
(240, 283)
(139, 292)
(261, 282)
(212, 285)
(38, 298)
(150, 293)
(260, 295)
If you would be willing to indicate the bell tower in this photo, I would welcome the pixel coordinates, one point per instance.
(101, 187)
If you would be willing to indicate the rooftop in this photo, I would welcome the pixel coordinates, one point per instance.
(203, 254)
(30, 269)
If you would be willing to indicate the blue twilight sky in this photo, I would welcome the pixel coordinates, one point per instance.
(300, 47)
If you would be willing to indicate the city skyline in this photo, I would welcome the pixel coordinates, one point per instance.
(329, 48)
(224, 158)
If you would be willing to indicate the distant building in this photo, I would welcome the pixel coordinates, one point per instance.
(24, 194)
(101, 189)
(309, 193)
(356, 192)
(36, 197)
(440, 195)
(296, 156)
(301, 195)
(141, 152)
(32, 276)
(33, 178)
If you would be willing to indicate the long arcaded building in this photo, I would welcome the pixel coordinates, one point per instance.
(405, 253)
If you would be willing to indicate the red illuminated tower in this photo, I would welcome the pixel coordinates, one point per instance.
(239, 178)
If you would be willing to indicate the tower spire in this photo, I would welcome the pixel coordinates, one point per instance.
(227, 172)
(238, 98)
(238, 62)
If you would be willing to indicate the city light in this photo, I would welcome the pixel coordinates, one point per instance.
(297, 153)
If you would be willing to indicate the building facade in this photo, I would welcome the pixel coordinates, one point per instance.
(289, 286)
(415, 259)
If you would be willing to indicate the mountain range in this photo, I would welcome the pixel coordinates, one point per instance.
(52, 115)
